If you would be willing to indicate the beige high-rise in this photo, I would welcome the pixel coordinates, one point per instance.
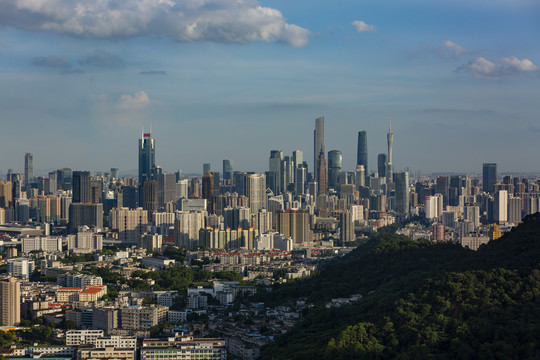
(10, 302)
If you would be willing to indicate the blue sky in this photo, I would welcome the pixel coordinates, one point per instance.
(235, 79)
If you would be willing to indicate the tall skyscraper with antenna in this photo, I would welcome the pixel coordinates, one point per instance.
(390, 138)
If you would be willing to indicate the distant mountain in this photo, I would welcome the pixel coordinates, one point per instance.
(422, 301)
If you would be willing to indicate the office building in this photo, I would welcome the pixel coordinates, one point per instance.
(167, 189)
(10, 302)
(335, 160)
(227, 169)
(362, 150)
(274, 169)
(318, 145)
(322, 177)
(401, 180)
(64, 179)
(208, 191)
(81, 187)
(381, 165)
(6, 194)
(81, 214)
(298, 159)
(300, 180)
(150, 197)
(489, 178)
(147, 158)
(28, 169)
(206, 168)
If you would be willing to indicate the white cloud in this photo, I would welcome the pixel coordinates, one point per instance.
(136, 101)
(229, 21)
(513, 64)
(363, 27)
(455, 49)
(483, 68)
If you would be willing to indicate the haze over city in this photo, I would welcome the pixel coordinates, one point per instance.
(221, 79)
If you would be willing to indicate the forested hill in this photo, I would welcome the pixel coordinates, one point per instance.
(422, 301)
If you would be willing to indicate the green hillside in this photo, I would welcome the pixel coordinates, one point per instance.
(422, 301)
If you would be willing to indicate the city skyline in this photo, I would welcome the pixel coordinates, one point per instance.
(457, 79)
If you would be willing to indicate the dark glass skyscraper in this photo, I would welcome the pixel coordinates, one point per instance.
(28, 169)
(381, 165)
(82, 192)
(362, 155)
(227, 169)
(489, 177)
(335, 160)
(147, 158)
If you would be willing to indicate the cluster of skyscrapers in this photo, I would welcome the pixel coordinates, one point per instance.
(288, 197)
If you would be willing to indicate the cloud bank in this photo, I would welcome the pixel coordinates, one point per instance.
(362, 27)
(222, 21)
(483, 68)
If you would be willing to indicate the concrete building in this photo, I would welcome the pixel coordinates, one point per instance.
(130, 223)
(183, 347)
(142, 318)
(295, 224)
(20, 267)
(82, 337)
(45, 244)
(10, 302)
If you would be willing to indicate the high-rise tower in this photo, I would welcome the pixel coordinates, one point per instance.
(322, 178)
(318, 144)
(489, 178)
(81, 187)
(381, 165)
(147, 158)
(10, 302)
(390, 138)
(28, 169)
(362, 154)
(335, 160)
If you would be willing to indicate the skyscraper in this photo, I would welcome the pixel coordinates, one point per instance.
(208, 191)
(81, 187)
(10, 302)
(147, 158)
(206, 168)
(28, 169)
(318, 144)
(362, 154)
(381, 165)
(150, 197)
(489, 178)
(274, 168)
(390, 138)
(401, 180)
(335, 160)
(256, 191)
(227, 169)
(322, 178)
